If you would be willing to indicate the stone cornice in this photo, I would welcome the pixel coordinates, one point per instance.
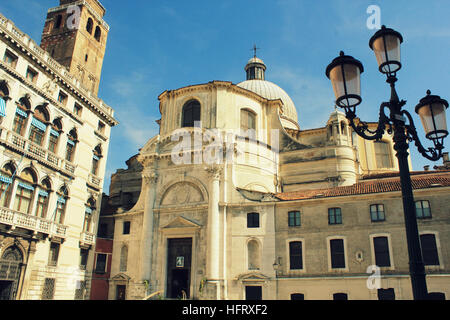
(212, 85)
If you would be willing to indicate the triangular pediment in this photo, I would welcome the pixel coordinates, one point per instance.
(252, 276)
(181, 222)
(121, 277)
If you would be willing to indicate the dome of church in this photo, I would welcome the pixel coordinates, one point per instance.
(271, 91)
(256, 83)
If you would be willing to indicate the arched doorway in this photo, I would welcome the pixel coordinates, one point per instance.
(10, 266)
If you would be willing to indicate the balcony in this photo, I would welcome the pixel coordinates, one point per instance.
(94, 180)
(21, 220)
(34, 151)
(88, 238)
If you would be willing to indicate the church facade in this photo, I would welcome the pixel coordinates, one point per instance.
(232, 200)
(54, 139)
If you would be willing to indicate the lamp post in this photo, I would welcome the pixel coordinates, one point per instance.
(344, 73)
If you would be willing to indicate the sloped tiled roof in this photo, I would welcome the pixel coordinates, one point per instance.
(420, 181)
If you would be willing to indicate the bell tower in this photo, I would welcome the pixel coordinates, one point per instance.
(75, 35)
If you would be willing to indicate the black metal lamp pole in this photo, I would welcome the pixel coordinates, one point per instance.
(344, 73)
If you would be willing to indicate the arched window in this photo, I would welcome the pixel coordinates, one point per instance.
(25, 190)
(38, 125)
(123, 259)
(61, 205)
(98, 33)
(42, 201)
(58, 21)
(89, 25)
(191, 113)
(383, 154)
(89, 210)
(6, 175)
(10, 266)
(248, 120)
(253, 254)
(71, 144)
(55, 131)
(96, 159)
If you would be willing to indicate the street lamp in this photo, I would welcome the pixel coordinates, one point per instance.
(344, 73)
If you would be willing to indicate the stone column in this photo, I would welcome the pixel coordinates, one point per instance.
(149, 187)
(213, 242)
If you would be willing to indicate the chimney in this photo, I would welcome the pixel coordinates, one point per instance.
(426, 168)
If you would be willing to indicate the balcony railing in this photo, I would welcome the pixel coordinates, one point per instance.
(94, 180)
(88, 238)
(33, 223)
(37, 152)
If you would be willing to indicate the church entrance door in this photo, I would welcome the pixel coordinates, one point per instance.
(179, 256)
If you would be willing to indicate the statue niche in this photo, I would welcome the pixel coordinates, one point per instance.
(182, 193)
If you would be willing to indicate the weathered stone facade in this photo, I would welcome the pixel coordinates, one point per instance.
(54, 139)
(230, 219)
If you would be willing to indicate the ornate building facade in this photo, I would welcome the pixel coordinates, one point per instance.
(54, 138)
(281, 213)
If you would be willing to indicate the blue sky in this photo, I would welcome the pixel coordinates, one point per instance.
(155, 46)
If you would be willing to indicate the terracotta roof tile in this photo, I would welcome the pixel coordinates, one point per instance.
(421, 181)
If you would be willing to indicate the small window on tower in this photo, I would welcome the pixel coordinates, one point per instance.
(98, 33)
(86, 58)
(58, 22)
(89, 25)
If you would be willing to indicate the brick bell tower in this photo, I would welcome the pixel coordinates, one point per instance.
(75, 35)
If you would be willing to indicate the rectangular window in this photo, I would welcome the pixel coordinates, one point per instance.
(102, 230)
(248, 120)
(53, 255)
(337, 253)
(60, 211)
(53, 141)
(19, 124)
(100, 265)
(36, 135)
(253, 220)
(101, 127)
(23, 199)
(126, 227)
(69, 152)
(423, 210)
(84, 255)
(334, 216)
(377, 212)
(41, 206)
(62, 98)
(10, 59)
(381, 248)
(80, 290)
(31, 75)
(94, 166)
(383, 154)
(77, 109)
(294, 218)
(429, 250)
(48, 291)
(295, 255)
